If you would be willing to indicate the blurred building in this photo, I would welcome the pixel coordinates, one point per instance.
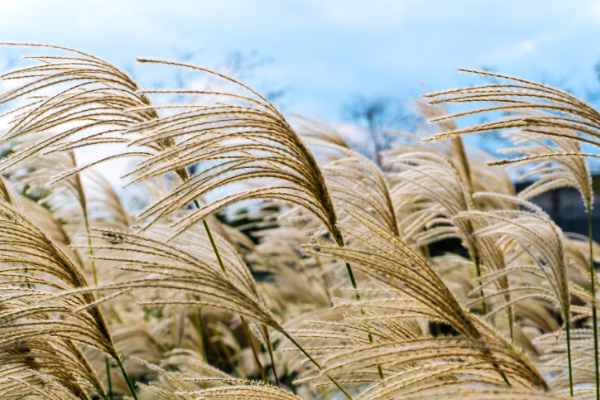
(565, 206)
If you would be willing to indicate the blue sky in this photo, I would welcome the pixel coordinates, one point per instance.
(323, 52)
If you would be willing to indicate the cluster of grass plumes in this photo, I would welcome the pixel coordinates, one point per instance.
(325, 286)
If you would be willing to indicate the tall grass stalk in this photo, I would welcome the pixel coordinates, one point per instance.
(244, 324)
(216, 250)
(126, 376)
(83, 202)
(200, 329)
(108, 378)
(355, 286)
(106, 358)
(593, 289)
(270, 350)
(568, 324)
(332, 379)
(464, 162)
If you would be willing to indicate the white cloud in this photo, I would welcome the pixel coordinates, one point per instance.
(358, 14)
(348, 130)
(513, 52)
(596, 9)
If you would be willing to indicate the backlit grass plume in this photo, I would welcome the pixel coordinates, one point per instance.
(232, 143)
(563, 115)
(540, 112)
(356, 183)
(187, 267)
(390, 257)
(68, 101)
(38, 268)
(190, 269)
(235, 142)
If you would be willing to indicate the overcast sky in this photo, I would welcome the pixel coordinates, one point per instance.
(323, 52)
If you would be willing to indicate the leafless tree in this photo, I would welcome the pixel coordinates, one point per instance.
(375, 116)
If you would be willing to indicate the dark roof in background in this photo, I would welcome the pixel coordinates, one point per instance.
(565, 206)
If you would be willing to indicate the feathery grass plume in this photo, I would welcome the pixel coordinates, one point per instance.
(322, 131)
(188, 267)
(391, 318)
(431, 176)
(538, 237)
(187, 385)
(478, 393)
(191, 373)
(244, 392)
(185, 266)
(52, 224)
(391, 257)
(61, 359)
(552, 362)
(539, 111)
(42, 217)
(293, 279)
(459, 158)
(476, 178)
(78, 98)
(105, 205)
(27, 247)
(358, 184)
(31, 251)
(557, 166)
(171, 389)
(300, 322)
(454, 152)
(184, 385)
(191, 369)
(39, 170)
(184, 176)
(58, 359)
(438, 374)
(232, 143)
(455, 147)
(34, 174)
(34, 386)
(563, 115)
(578, 256)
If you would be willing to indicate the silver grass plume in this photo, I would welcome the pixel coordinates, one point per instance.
(537, 237)
(36, 265)
(390, 257)
(562, 115)
(70, 101)
(536, 109)
(357, 184)
(187, 266)
(232, 143)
